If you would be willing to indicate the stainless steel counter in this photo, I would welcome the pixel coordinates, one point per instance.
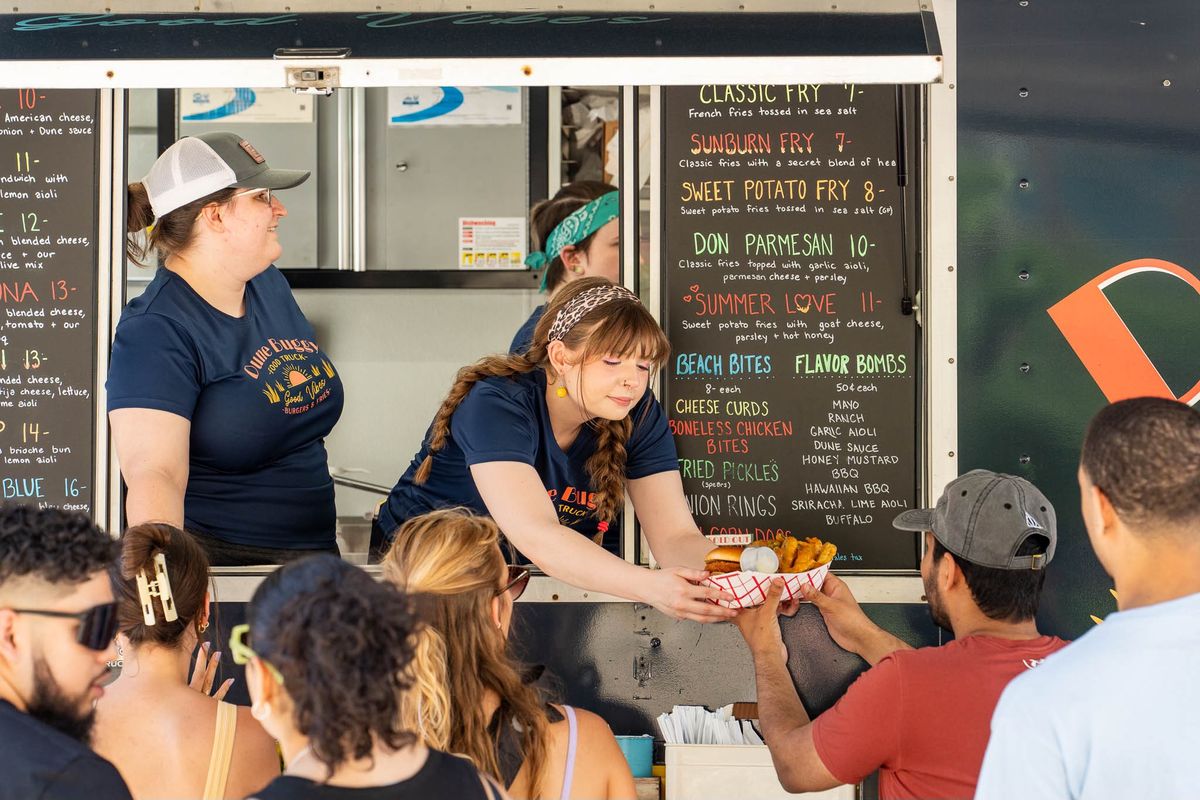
(237, 584)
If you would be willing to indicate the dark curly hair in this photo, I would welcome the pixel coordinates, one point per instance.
(343, 643)
(1144, 454)
(53, 545)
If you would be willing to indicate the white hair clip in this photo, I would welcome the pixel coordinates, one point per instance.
(160, 587)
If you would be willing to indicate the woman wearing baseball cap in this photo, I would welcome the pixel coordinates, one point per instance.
(219, 396)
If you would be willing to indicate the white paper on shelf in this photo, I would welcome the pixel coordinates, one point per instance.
(698, 725)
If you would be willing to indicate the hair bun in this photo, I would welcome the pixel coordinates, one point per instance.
(139, 545)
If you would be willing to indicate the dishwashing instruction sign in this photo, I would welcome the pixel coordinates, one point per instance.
(491, 242)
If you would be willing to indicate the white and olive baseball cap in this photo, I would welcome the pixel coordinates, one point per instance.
(985, 517)
(197, 166)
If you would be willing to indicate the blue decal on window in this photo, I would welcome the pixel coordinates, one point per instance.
(242, 99)
(452, 98)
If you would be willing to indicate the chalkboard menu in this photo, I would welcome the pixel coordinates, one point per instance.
(792, 385)
(48, 263)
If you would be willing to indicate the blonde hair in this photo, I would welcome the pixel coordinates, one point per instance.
(450, 563)
(619, 327)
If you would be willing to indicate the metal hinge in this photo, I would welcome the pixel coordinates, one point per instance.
(313, 80)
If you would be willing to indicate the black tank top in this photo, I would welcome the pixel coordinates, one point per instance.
(442, 776)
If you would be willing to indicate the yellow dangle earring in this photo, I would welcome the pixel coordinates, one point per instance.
(561, 391)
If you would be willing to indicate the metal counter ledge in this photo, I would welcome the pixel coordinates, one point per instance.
(237, 584)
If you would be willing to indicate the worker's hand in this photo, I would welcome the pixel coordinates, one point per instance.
(205, 670)
(676, 591)
(760, 625)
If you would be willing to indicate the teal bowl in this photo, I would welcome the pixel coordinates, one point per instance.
(639, 752)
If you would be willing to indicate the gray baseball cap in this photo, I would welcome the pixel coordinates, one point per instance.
(197, 166)
(985, 517)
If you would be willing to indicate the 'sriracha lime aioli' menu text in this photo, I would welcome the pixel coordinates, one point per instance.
(48, 263)
(791, 389)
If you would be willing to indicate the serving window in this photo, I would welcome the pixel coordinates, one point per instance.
(391, 204)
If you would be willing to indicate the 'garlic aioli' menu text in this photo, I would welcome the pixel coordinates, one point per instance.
(791, 389)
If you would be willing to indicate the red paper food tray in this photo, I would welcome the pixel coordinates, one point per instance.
(750, 588)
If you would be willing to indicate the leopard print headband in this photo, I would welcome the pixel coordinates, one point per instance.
(579, 307)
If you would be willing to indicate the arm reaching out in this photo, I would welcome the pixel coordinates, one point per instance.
(786, 726)
(517, 500)
(662, 508)
(848, 625)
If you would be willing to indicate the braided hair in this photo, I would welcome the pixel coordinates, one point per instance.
(622, 326)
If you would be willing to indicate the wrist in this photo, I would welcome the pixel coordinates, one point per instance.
(864, 637)
(765, 650)
(640, 582)
(876, 644)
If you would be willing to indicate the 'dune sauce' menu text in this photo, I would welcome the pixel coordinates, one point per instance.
(791, 389)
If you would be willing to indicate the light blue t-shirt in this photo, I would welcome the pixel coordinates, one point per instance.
(1114, 715)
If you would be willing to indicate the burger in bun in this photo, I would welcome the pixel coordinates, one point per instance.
(727, 558)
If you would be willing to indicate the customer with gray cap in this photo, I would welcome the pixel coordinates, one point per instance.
(219, 396)
(919, 716)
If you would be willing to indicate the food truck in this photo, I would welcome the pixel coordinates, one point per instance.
(889, 240)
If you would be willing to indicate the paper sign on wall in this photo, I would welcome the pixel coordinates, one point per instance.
(454, 105)
(244, 105)
(491, 242)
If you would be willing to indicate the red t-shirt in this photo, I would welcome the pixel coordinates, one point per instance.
(921, 717)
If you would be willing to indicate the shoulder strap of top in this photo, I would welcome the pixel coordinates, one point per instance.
(491, 789)
(572, 742)
(222, 752)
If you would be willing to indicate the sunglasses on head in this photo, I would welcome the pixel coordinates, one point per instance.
(518, 579)
(240, 650)
(97, 625)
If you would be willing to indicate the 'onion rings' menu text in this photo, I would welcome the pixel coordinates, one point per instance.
(792, 385)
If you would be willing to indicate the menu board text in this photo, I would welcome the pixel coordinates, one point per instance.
(791, 389)
(48, 263)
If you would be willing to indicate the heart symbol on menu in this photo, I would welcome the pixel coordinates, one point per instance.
(695, 287)
(687, 298)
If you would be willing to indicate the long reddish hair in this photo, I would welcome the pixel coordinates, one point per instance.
(621, 326)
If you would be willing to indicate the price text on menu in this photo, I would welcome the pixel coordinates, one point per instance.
(48, 263)
(791, 389)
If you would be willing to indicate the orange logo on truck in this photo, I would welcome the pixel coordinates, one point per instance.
(1104, 343)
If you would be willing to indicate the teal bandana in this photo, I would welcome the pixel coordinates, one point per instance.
(581, 224)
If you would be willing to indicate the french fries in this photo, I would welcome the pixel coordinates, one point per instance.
(787, 553)
(801, 555)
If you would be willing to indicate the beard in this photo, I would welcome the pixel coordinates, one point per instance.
(934, 601)
(52, 706)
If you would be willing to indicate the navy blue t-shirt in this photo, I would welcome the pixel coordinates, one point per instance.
(261, 397)
(505, 419)
(39, 761)
(524, 337)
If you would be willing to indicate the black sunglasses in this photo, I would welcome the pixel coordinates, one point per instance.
(518, 579)
(97, 625)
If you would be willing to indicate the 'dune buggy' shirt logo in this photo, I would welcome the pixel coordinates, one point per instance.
(292, 373)
(572, 504)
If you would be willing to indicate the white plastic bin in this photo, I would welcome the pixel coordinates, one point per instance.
(717, 772)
